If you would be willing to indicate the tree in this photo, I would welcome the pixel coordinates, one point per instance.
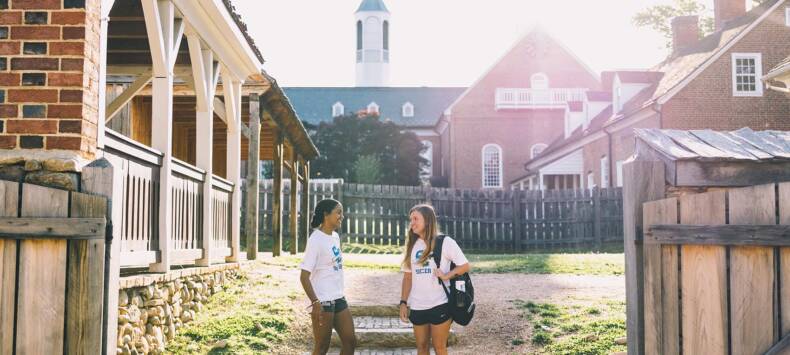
(367, 170)
(659, 17)
(347, 138)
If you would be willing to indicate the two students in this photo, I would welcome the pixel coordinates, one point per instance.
(423, 300)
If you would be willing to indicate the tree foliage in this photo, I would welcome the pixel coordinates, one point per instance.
(659, 17)
(367, 170)
(347, 138)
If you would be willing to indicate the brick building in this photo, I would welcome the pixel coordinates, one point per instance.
(513, 111)
(708, 83)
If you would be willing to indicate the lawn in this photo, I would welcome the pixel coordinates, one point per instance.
(575, 329)
(575, 264)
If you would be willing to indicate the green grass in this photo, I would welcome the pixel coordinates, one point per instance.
(575, 330)
(355, 248)
(248, 326)
(576, 264)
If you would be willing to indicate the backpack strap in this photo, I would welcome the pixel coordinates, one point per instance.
(437, 258)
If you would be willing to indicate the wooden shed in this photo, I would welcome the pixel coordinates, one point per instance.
(707, 242)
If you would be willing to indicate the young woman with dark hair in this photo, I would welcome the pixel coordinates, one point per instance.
(322, 280)
(423, 299)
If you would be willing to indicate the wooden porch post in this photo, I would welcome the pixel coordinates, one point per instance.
(253, 177)
(277, 194)
(294, 212)
(205, 73)
(232, 91)
(161, 26)
(304, 225)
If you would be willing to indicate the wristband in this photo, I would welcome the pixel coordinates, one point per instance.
(403, 303)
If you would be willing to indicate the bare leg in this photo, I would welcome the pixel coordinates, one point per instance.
(322, 331)
(439, 335)
(344, 325)
(422, 333)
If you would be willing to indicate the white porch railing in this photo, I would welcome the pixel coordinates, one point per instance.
(520, 98)
(140, 206)
(373, 56)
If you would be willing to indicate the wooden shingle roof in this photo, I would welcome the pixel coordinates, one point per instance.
(708, 145)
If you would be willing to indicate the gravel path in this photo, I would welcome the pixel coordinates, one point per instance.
(497, 323)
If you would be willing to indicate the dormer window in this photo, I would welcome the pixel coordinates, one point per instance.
(373, 108)
(408, 110)
(337, 109)
(537, 149)
(539, 81)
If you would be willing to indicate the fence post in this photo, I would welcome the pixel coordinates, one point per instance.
(292, 214)
(517, 227)
(596, 197)
(101, 178)
(643, 181)
(277, 188)
(304, 225)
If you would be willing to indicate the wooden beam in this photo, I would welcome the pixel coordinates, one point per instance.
(253, 177)
(178, 34)
(159, 26)
(294, 211)
(52, 228)
(782, 347)
(116, 105)
(304, 225)
(731, 234)
(277, 194)
(232, 90)
(219, 110)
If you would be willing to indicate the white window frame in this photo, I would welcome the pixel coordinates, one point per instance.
(619, 168)
(787, 16)
(483, 165)
(532, 154)
(541, 79)
(758, 73)
(604, 171)
(338, 109)
(373, 107)
(590, 180)
(407, 110)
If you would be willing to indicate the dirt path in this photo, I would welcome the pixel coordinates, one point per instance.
(497, 322)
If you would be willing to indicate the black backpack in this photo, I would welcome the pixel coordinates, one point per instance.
(460, 302)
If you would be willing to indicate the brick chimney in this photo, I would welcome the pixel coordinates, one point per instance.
(726, 10)
(685, 32)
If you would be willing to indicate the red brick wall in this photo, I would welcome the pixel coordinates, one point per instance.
(707, 102)
(475, 122)
(49, 75)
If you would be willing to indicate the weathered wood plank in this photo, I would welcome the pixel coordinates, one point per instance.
(663, 144)
(766, 143)
(780, 348)
(784, 261)
(694, 144)
(752, 274)
(85, 279)
(42, 277)
(754, 235)
(716, 139)
(52, 228)
(703, 279)
(9, 195)
(661, 283)
(643, 181)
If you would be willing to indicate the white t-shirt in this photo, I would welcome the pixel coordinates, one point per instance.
(323, 259)
(426, 292)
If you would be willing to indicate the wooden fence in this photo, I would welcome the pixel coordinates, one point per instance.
(52, 266)
(717, 272)
(492, 220)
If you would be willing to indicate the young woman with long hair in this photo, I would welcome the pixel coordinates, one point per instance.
(322, 280)
(423, 299)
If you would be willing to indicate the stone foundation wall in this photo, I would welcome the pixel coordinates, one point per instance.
(56, 173)
(151, 308)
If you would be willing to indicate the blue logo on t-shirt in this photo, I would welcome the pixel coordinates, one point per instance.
(426, 269)
(337, 259)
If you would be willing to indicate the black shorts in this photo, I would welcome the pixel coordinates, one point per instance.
(335, 306)
(436, 315)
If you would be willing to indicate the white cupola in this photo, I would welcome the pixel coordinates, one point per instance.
(372, 45)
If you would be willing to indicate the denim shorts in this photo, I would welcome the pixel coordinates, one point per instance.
(335, 306)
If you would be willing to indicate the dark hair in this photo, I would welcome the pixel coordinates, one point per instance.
(322, 208)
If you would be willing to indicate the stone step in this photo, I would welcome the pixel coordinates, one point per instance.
(384, 332)
(374, 351)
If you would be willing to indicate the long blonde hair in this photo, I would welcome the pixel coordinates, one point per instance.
(431, 231)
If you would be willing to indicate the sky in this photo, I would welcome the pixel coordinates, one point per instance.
(443, 42)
